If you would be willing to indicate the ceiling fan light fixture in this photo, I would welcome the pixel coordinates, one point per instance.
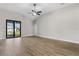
(34, 14)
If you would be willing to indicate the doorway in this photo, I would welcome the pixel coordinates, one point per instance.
(13, 29)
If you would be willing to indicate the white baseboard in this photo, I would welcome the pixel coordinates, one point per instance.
(2, 38)
(58, 39)
(21, 36)
(28, 35)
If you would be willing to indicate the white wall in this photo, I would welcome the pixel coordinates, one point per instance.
(26, 23)
(62, 24)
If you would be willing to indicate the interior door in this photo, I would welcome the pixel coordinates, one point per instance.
(13, 29)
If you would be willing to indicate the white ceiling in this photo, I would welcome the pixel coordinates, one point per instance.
(25, 8)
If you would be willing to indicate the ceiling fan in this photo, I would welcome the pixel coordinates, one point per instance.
(34, 12)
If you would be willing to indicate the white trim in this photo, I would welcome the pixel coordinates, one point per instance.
(2, 38)
(77, 42)
(21, 36)
(28, 35)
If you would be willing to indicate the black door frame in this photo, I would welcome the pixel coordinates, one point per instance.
(13, 28)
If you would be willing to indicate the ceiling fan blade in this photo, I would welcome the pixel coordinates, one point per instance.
(39, 11)
(33, 11)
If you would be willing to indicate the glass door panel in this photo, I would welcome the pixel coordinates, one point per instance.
(9, 29)
(17, 29)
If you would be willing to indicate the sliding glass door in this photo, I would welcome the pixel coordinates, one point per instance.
(13, 29)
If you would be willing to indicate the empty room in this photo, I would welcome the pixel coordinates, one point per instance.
(39, 29)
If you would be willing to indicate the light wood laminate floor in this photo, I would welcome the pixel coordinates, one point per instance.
(37, 46)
